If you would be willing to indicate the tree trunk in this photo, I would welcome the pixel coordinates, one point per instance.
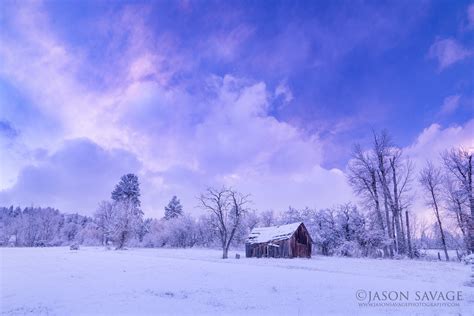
(398, 229)
(401, 223)
(471, 204)
(443, 239)
(397, 212)
(407, 222)
(386, 251)
(121, 240)
(395, 234)
(225, 253)
(460, 218)
(470, 230)
(389, 228)
(470, 220)
(377, 202)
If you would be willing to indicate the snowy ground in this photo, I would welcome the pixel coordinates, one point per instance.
(57, 281)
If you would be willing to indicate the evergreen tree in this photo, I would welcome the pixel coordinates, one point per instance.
(127, 215)
(173, 209)
(127, 190)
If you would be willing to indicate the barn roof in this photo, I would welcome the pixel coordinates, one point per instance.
(273, 233)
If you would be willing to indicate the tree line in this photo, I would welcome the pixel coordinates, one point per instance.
(341, 230)
(381, 175)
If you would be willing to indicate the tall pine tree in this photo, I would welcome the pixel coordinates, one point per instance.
(127, 190)
(173, 209)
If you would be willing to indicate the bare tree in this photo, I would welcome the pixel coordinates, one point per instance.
(227, 207)
(382, 177)
(127, 219)
(118, 221)
(456, 204)
(431, 180)
(104, 217)
(394, 180)
(363, 179)
(458, 163)
(267, 218)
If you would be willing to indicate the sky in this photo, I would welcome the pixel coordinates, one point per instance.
(267, 97)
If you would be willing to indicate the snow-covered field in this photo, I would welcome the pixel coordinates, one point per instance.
(57, 281)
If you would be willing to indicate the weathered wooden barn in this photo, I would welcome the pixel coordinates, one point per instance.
(284, 241)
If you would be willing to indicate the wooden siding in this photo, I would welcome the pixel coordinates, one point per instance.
(298, 245)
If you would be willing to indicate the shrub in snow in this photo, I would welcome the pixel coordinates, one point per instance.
(398, 256)
(349, 249)
(74, 247)
(468, 259)
(12, 241)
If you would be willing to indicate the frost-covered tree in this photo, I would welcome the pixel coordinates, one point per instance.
(458, 163)
(127, 220)
(104, 217)
(291, 215)
(431, 180)
(128, 189)
(456, 205)
(250, 220)
(226, 207)
(144, 228)
(173, 209)
(89, 234)
(207, 235)
(267, 218)
(126, 212)
(381, 177)
(327, 237)
(154, 236)
(181, 231)
(350, 222)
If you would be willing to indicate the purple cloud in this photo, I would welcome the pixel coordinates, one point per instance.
(448, 52)
(450, 104)
(74, 178)
(187, 103)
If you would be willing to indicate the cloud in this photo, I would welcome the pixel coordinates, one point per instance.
(230, 139)
(470, 16)
(429, 145)
(74, 178)
(158, 103)
(450, 104)
(284, 91)
(434, 139)
(226, 44)
(7, 130)
(178, 138)
(448, 52)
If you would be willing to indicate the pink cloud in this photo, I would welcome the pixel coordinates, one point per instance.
(224, 134)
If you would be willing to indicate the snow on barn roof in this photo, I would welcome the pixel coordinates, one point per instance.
(273, 233)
